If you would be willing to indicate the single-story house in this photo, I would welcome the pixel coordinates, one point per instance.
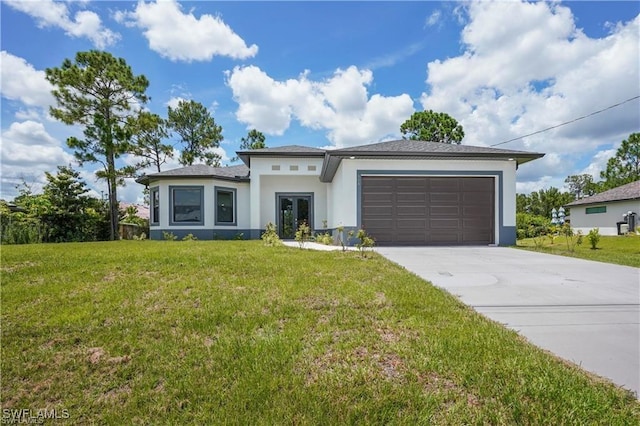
(606, 209)
(401, 192)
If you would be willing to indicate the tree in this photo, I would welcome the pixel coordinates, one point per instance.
(67, 218)
(540, 203)
(198, 132)
(624, 167)
(253, 140)
(581, 185)
(147, 131)
(432, 126)
(99, 92)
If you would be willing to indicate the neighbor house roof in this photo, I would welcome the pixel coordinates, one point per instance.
(630, 191)
(411, 149)
(233, 173)
(281, 151)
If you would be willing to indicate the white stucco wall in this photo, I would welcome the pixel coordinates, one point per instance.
(242, 202)
(606, 222)
(344, 192)
(266, 182)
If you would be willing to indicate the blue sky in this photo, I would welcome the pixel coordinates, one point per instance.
(338, 74)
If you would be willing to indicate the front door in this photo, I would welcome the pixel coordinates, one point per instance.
(292, 211)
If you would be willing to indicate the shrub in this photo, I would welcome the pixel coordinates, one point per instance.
(572, 238)
(365, 241)
(325, 239)
(594, 238)
(189, 237)
(303, 234)
(270, 235)
(140, 237)
(168, 236)
(529, 225)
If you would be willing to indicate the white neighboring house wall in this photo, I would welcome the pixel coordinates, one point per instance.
(277, 175)
(343, 201)
(209, 184)
(605, 221)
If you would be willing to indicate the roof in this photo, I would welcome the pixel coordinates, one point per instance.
(412, 149)
(142, 211)
(630, 191)
(232, 173)
(281, 151)
(402, 149)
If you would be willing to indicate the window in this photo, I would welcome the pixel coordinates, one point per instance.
(275, 167)
(311, 168)
(293, 168)
(154, 196)
(187, 205)
(594, 210)
(225, 206)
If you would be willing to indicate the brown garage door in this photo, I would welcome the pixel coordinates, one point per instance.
(428, 210)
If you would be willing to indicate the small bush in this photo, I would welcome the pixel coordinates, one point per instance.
(189, 237)
(270, 236)
(572, 238)
(140, 237)
(594, 238)
(325, 239)
(365, 241)
(168, 236)
(303, 234)
(529, 225)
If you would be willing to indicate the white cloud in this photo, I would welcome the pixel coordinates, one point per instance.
(49, 13)
(341, 105)
(434, 18)
(175, 101)
(27, 152)
(526, 67)
(22, 82)
(599, 163)
(182, 36)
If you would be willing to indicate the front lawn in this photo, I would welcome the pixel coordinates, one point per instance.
(237, 333)
(621, 250)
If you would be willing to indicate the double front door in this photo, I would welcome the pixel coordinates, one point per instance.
(293, 210)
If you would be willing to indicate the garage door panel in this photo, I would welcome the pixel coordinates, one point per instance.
(444, 211)
(428, 210)
(444, 198)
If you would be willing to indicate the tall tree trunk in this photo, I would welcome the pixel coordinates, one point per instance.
(113, 197)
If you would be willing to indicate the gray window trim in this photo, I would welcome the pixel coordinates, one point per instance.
(153, 220)
(234, 191)
(171, 201)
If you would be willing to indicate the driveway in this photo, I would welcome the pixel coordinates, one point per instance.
(583, 311)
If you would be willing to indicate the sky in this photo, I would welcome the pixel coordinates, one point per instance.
(337, 74)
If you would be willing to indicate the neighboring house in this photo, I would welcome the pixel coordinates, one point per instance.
(142, 211)
(400, 192)
(606, 209)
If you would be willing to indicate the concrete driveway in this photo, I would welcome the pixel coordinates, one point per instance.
(583, 311)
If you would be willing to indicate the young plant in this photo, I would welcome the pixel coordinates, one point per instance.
(168, 236)
(594, 238)
(303, 234)
(340, 230)
(189, 237)
(572, 238)
(365, 241)
(270, 236)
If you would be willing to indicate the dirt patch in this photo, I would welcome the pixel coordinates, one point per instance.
(115, 395)
(435, 383)
(96, 355)
(18, 266)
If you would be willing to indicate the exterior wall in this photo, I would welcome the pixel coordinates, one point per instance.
(606, 222)
(208, 230)
(266, 182)
(345, 204)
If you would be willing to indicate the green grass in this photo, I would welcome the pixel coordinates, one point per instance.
(217, 332)
(621, 250)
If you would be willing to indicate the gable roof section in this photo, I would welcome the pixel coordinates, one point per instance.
(232, 173)
(281, 151)
(630, 191)
(411, 149)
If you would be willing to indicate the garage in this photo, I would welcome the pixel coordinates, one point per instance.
(419, 210)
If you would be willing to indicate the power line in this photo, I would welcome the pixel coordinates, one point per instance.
(568, 122)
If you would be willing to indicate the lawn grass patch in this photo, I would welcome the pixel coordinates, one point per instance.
(620, 250)
(238, 333)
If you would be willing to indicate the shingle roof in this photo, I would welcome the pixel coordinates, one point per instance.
(423, 147)
(410, 149)
(630, 191)
(240, 173)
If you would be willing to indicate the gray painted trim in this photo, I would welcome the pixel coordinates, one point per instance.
(296, 194)
(171, 189)
(502, 230)
(234, 191)
(152, 222)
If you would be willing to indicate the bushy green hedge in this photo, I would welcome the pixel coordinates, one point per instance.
(529, 225)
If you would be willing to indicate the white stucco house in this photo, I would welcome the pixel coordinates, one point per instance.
(401, 192)
(606, 209)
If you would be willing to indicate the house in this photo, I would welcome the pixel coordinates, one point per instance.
(401, 192)
(606, 209)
